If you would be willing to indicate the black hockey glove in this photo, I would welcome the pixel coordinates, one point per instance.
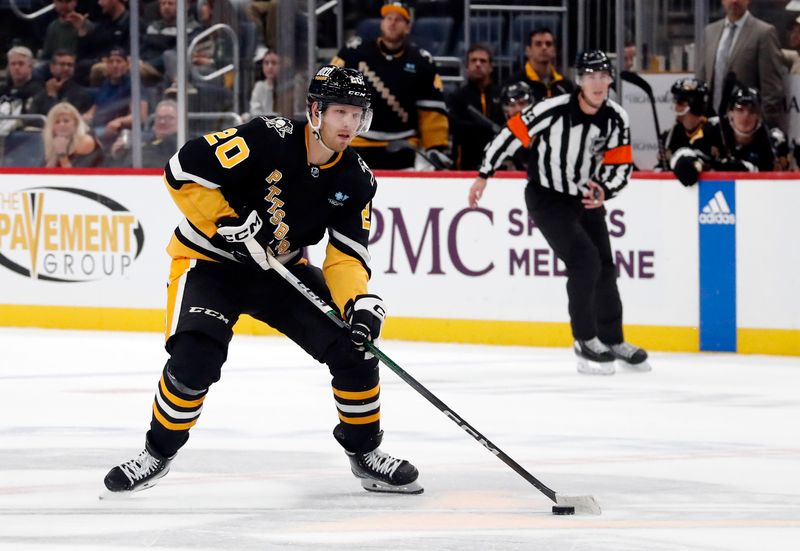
(365, 315)
(687, 166)
(245, 239)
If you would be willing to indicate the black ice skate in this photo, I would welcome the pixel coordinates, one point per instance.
(630, 356)
(139, 473)
(594, 358)
(380, 472)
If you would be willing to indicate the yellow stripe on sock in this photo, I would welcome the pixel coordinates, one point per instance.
(360, 420)
(169, 424)
(179, 401)
(362, 395)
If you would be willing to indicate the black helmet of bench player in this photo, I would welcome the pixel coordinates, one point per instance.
(516, 94)
(693, 92)
(745, 98)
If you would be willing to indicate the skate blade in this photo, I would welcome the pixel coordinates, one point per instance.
(642, 367)
(585, 505)
(586, 367)
(381, 487)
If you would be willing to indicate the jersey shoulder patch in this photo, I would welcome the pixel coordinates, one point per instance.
(354, 42)
(281, 125)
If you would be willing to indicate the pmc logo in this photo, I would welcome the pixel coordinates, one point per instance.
(67, 235)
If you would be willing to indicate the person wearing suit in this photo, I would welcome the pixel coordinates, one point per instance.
(743, 49)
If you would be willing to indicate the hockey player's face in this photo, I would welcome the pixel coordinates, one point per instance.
(394, 27)
(511, 109)
(339, 125)
(681, 107)
(744, 118)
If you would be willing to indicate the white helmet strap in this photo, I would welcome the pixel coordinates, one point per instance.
(316, 129)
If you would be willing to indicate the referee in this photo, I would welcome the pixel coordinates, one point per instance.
(579, 156)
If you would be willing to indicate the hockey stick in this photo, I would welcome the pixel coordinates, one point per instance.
(483, 119)
(582, 504)
(636, 80)
(401, 145)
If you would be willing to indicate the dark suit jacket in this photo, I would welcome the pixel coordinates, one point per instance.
(756, 61)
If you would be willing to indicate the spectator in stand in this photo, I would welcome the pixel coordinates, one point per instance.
(61, 33)
(161, 36)
(262, 99)
(791, 57)
(158, 146)
(67, 142)
(96, 38)
(743, 49)
(539, 71)
(61, 86)
(406, 90)
(17, 94)
(111, 111)
(471, 131)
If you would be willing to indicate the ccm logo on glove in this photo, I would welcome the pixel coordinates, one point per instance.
(365, 314)
(246, 241)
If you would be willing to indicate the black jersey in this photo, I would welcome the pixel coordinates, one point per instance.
(706, 138)
(406, 93)
(263, 165)
(755, 156)
(566, 146)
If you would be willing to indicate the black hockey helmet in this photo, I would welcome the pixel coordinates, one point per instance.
(692, 91)
(514, 93)
(342, 85)
(339, 85)
(593, 61)
(746, 96)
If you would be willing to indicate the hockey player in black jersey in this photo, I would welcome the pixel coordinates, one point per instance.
(692, 128)
(271, 187)
(739, 141)
(746, 135)
(580, 156)
(514, 98)
(407, 97)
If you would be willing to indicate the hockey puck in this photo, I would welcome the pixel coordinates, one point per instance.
(563, 510)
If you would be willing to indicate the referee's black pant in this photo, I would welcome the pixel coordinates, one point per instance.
(579, 237)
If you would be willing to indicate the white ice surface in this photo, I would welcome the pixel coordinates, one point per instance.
(701, 454)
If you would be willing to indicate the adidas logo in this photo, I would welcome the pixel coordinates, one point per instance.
(717, 211)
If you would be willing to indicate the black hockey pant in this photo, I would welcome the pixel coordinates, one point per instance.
(579, 237)
(204, 301)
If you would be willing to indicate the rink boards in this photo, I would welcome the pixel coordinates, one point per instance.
(706, 268)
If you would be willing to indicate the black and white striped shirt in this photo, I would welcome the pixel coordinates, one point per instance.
(567, 146)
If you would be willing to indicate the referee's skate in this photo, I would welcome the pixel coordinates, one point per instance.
(594, 358)
(630, 356)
